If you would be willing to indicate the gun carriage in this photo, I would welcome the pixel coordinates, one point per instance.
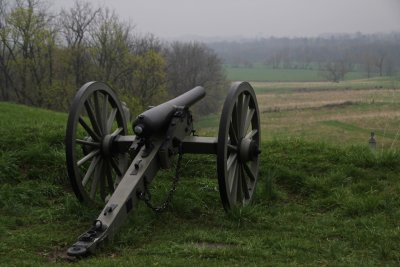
(109, 168)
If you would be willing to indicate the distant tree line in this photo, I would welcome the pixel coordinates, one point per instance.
(336, 55)
(45, 58)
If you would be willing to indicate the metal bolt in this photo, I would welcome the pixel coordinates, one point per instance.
(138, 129)
(98, 225)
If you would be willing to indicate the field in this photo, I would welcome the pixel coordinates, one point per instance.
(263, 73)
(338, 113)
(324, 198)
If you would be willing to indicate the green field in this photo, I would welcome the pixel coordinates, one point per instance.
(316, 204)
(357, 84)
(262, 73)
(323, 196)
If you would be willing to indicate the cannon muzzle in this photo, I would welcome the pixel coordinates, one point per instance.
(157, 118)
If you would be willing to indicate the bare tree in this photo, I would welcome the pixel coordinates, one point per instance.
(390, 67)
(275, 60)
(334, 71)
(379, 60)
(76, 23)
(149, 76)
(141, 44)
(6, 48)
(192, 64)
(28, 42)
(110, 42)
(367, 63)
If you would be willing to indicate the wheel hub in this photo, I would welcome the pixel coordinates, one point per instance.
(106, 144)
(248, 150)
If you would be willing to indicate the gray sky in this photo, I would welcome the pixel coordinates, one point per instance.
(254, 18)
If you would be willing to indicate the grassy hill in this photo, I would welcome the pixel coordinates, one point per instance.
(316, 204)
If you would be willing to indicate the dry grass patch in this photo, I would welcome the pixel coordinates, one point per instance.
(339, 116)
(374, 83)
(278, 102)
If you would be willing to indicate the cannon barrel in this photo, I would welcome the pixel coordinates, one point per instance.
(157, 118)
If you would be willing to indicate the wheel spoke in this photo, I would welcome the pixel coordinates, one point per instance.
(99, 118)
(234, 123)
(102, 182)
(87, 128)
(88, 157)
(248, 119)
(245, 187)
(239, 195)
(249, 172)
(110, 119)
(90, 170)
(245, 109)
(92, 117)
(251, 134)
(232, 175)
(233, 192)
(122, 164)
(96, 178)
(231, 159)
(239, 115)
(115, 167)
(87, 143)
(232, 134)
(232, 148)
(110, 181)
(117, 131)
(105, 113)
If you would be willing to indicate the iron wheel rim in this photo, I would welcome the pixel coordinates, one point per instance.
(239, 126)
(95, 113)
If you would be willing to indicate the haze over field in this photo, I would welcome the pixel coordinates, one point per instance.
(192, 19)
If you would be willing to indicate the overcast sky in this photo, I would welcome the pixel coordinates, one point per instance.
(254, 18)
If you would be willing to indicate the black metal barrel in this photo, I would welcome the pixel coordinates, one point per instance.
(157, 118)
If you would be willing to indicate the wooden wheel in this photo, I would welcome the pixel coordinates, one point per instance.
(94, 167)
(238, 146)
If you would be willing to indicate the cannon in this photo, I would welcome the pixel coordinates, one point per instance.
(110, 169)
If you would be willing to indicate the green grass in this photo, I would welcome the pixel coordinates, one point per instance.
(356, 129)
(304, 87)
(316, 204)
(264, 73)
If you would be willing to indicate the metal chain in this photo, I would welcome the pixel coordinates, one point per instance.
(146, 195)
